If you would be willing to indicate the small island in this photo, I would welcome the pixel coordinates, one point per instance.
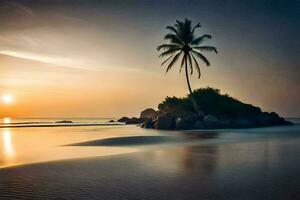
(204, 108)
(214, 111)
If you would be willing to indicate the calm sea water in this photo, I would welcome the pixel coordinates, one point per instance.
(127, 162)
(52, 121)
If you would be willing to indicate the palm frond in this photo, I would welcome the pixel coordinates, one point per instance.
(206, 48)
(199, 55)
(197, 66)
(168, 52)
(201, 39)
(167, 46)
(173, 39)
(178, 24)
(171, 28)
(182, 63)
(184, 46)
(166, 60)
(171, 64)
(190, 63)
(195, 27)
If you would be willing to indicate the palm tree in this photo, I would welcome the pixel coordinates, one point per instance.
(185, 44)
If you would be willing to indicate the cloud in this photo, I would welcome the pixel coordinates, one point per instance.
(57, 61)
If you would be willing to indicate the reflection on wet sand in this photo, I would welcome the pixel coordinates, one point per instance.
(8, 150)
(210, 171)
(181, 161)
(22, 146)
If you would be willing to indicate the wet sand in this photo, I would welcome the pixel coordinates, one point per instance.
(259, 169)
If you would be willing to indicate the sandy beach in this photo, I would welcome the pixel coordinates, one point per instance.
(232, 164)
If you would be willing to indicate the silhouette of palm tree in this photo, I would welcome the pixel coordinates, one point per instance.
(184, 43)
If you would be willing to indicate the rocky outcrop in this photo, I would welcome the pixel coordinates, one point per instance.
(164, 121)
(215, 110)
(198, 125)
(134, 120)
(123, 119)
(173, 116)
(188, 120)
(147, 124)
(181, 123)
(148, 114)
(211, 121)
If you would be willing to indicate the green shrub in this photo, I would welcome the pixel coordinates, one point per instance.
(176, 103)
(210, 101)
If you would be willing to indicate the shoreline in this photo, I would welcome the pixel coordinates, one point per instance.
(60, 125)
(122, 124)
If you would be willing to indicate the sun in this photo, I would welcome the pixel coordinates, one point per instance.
(7, 99)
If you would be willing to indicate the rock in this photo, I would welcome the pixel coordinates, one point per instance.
(134, 120)
(198, 125)
(270, 119)
(123, 119)
(211, 121)
(181, 124)
(261, 119)
(242, 123)
(111, 121)
(185, 120)
(274, 119)
(65, 121)
(148, 114)
(201, 114)
(164, 121)
(190, 117)
(147, 124)
(288, 123)
(226, 122)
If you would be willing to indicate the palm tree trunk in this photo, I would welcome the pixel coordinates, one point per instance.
(187, 76)
(195, 105)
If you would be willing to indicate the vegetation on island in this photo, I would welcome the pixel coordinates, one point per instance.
(210, 101)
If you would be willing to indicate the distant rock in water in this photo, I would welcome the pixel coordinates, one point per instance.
(148, 114)
(111, 121)
(215, 111)
(134, 120)
(65, 121)
(123, 119)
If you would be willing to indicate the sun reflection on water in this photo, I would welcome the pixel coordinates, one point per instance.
(8, 148)
(6, 120)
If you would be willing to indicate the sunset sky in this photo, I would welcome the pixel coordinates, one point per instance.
(98, 58)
